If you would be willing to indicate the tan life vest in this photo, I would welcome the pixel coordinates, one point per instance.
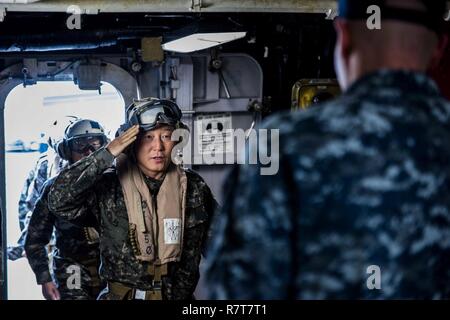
(156, 229)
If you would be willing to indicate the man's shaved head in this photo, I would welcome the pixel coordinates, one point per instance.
(398, 44)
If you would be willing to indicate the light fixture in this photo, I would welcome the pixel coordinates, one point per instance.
(201, 41)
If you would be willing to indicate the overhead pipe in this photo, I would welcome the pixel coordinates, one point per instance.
(77, 41)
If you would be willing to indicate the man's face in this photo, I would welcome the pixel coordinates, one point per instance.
(153, 152)
(83, 147)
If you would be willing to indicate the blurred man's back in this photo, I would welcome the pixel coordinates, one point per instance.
(360, 206)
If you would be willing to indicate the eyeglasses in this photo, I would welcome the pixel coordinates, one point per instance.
(84, 144)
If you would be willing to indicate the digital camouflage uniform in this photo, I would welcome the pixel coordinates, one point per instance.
(30, 194)
(89, 187)
(76, 249)
(364, 180)
(24, 205)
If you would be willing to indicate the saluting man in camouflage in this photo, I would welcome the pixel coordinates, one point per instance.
(360, 206)
(154, 215)
(77, 257)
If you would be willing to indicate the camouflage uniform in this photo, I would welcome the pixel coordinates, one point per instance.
(76, 249)
(89, 187)
(364, 180)
(24, 205)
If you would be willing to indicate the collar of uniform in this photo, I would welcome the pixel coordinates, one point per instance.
(153, 184)
(401, 80)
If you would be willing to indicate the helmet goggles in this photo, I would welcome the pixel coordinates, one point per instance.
(154, 112)
(87, 143)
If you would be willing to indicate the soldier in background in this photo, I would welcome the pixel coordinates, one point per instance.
(17, 251)
(76, 257)
(360, 206)
(48, 165)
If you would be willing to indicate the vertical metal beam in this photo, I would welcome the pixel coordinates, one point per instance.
(3, 271)
(5, 89)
